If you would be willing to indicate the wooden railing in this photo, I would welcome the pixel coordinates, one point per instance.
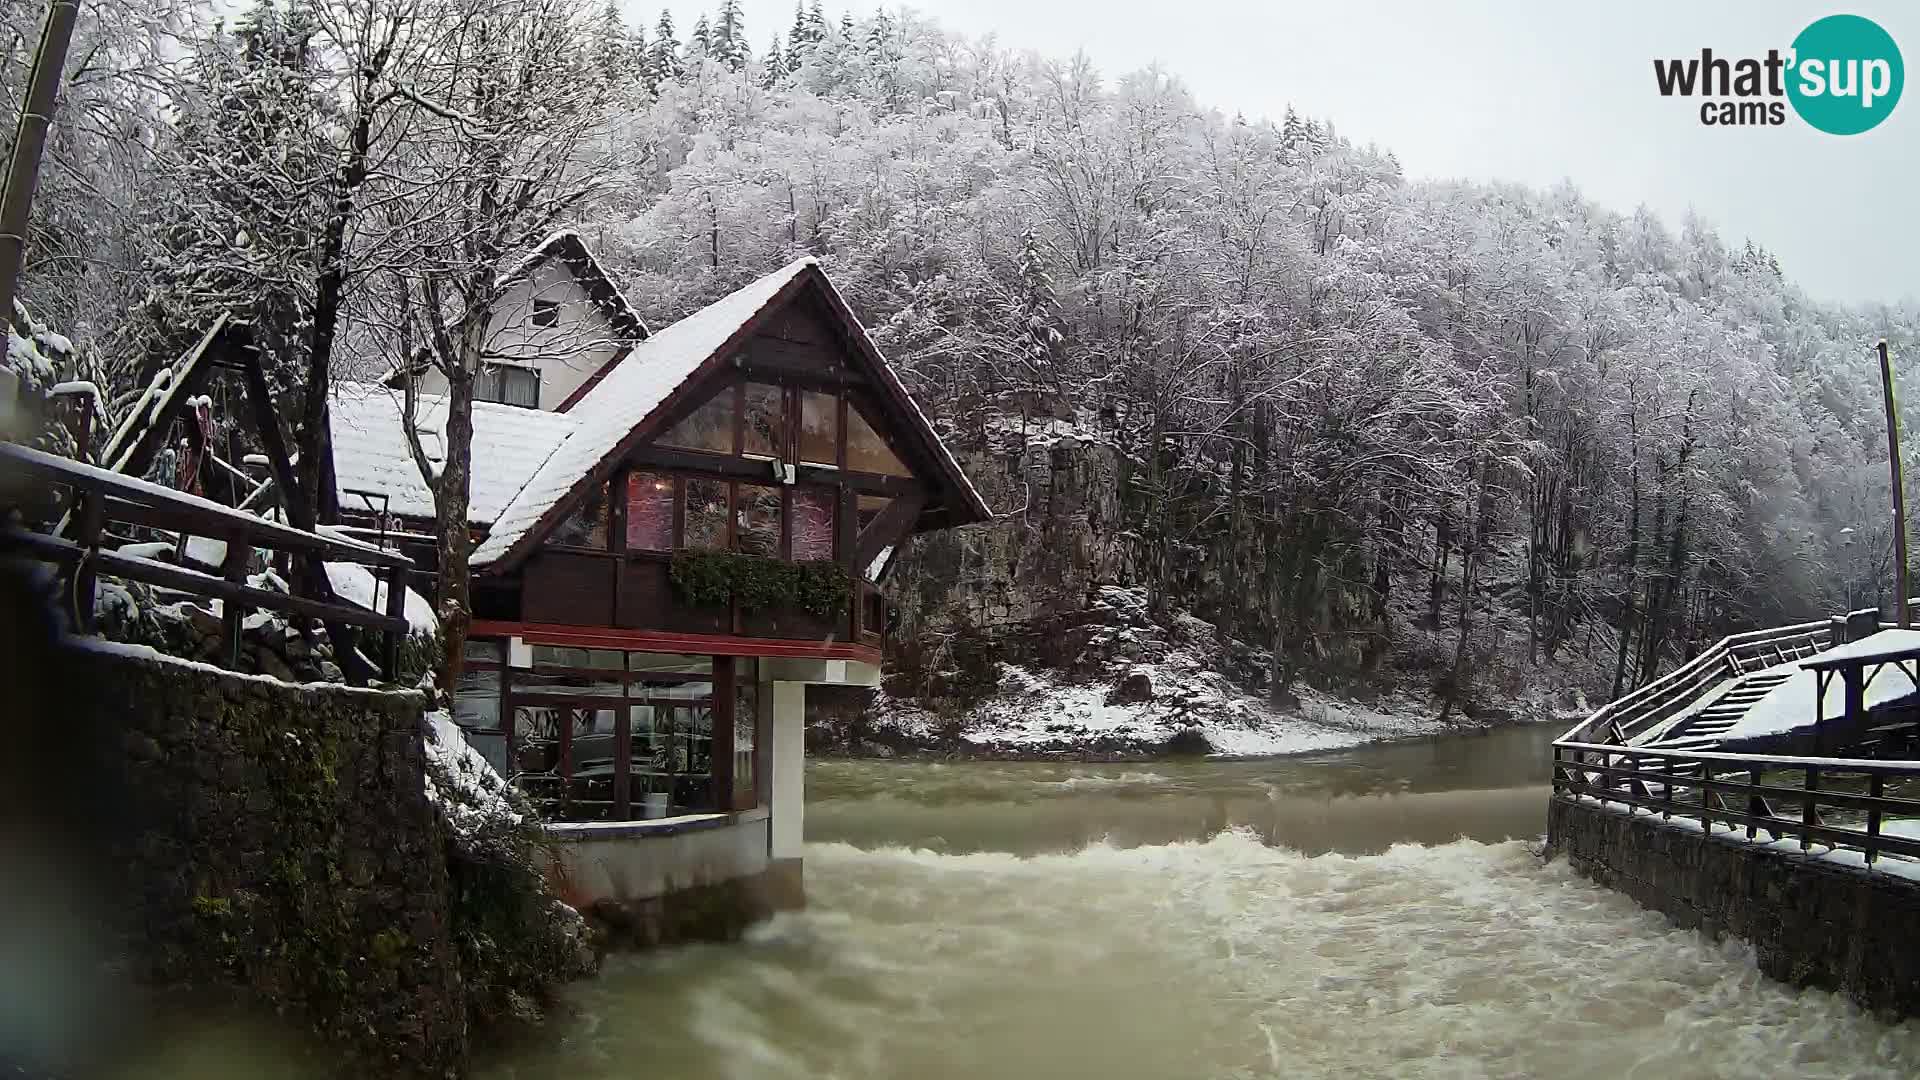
(1622, 719)
(1844, 804)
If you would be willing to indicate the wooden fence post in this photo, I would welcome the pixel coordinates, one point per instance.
(232, 612)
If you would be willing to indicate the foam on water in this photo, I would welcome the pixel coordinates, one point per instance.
(1221, 957)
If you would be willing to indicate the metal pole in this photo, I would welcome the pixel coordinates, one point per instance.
(1899, 491)
(29, 142)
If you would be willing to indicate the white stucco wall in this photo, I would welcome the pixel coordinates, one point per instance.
(788, 789)
(613, 866)
(566, 354)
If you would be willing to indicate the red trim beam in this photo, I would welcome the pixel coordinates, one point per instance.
(601, 637)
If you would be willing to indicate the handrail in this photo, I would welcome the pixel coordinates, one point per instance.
(1721, 790)
(1710, 661)
(1763, 761)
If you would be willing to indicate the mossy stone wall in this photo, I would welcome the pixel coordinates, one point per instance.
(280, 842)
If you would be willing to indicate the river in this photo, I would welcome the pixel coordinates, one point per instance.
(1374, 912)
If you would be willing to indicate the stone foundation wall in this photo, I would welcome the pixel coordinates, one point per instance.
(277, 841)
(1810, 922)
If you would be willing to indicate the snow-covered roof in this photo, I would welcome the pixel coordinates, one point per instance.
(625, 396)
(370, 449)
(1791, 705)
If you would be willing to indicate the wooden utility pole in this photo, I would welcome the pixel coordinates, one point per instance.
(29, 143)
(1899, 491)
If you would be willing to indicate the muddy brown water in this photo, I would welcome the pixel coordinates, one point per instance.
(1374, 912)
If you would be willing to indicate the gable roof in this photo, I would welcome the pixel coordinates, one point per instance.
(573, 253)
(370, 450)
(567, 246)
(616, 411)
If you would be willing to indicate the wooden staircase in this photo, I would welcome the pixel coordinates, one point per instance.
(1704, 729)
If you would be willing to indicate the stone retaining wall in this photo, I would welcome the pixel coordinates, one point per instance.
(1811, 922)
(277, 840)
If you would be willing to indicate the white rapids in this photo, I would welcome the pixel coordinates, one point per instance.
(1215, 957)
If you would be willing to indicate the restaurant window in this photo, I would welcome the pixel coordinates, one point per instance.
(476, 709)
(813, 522)
(672, 732)
(567, 716)
(586, 527)
(746, 714)
(757, 522)
(867, 451)
(706, 515)
(709, 427)
(765, 431)
(819, 428)
(649, 512)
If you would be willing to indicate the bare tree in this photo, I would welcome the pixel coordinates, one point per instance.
(503, 146)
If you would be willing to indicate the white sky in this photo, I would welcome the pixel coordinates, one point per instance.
(1529, 92)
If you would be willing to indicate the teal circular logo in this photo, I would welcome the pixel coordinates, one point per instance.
(1846, 75)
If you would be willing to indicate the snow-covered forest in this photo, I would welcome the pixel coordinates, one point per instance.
(1356, 422)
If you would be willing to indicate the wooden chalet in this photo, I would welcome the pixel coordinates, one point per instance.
(667, 556)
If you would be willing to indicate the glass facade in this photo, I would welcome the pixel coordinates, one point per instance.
(650, 503)
(709, 427)
(603, 734)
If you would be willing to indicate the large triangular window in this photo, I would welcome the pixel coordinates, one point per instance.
(867, 451)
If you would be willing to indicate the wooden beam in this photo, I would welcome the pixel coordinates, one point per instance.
(396, 609)
(133, 446)
(760, 471)
(892, 526)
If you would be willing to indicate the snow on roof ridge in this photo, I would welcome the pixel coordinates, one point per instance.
(652, 371)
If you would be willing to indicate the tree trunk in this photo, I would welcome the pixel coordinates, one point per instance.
(315, 435)
(451, 497)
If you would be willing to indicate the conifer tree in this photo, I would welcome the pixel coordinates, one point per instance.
(772, 67)
(614, 51)
(663, 61)
(701, 43)
(249, 167)
(797, 39)
(816, 24)
(728, 43)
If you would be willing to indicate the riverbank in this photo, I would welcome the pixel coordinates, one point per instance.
(1150, 711)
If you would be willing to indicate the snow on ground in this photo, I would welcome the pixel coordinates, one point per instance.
(357, 585)
(1038, 712)
(1791, 704)
(462, 783)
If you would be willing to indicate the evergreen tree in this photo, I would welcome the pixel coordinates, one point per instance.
(614, 52)
(879, 34)
(663, 61)
(249, 166)
(797, 39)
(701, 43)
(729, 37)
(772, 67)
(816, 24)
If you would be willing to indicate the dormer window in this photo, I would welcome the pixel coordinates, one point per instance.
(546, 313)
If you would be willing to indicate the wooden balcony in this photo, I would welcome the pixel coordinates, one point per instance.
(633, 591)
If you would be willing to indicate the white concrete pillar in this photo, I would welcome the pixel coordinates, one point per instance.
(788, 825)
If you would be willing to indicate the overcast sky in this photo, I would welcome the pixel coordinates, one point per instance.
(1529, 92)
